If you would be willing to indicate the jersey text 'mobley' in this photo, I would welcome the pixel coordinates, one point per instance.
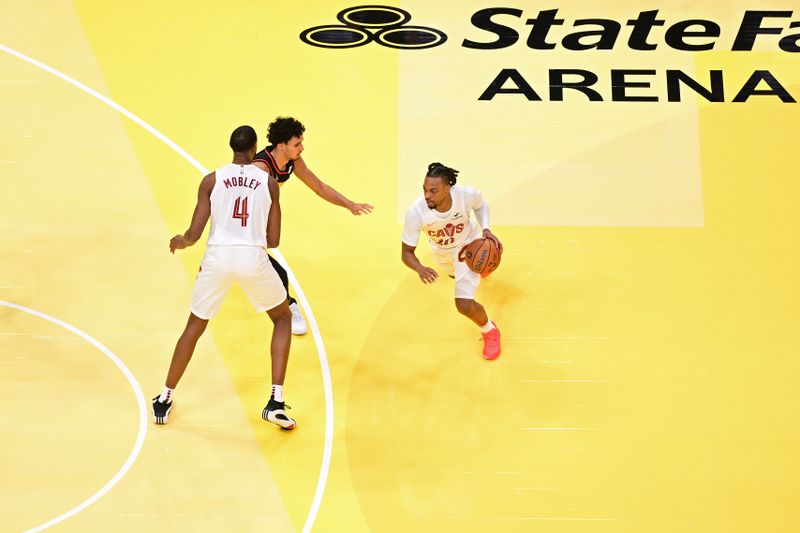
(241, 181)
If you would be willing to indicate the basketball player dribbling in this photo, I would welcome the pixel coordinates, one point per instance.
(243, 204)
(443, 213)
(280, 159)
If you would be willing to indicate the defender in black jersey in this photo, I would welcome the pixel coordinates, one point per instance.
(282, 158)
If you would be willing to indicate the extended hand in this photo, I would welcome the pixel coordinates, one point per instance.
(360, 209)
(427, 275)
(178, 242)
(492, 237)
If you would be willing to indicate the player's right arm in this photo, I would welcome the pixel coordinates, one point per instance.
(199, 218)
(411, 229)
(274, 217)
(480, 206)
(426, 274)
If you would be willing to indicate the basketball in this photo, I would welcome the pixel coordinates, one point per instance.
(481, 256)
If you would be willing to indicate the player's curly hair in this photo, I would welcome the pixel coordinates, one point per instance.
(243, 139)
(438, 170)
(282, 129)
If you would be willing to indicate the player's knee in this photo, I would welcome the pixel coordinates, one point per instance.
(464, 306)
(281, 314)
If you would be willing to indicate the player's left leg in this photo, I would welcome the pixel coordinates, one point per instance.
(281, 318)
(265, 292)
(467, 283)
(472, 310)
(299, 326)
(489, 331)
(275, 410)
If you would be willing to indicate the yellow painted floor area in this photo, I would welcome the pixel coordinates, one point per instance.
(648, 375)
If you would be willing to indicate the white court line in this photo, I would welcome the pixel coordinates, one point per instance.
(323, 357)
(327, 387)
(137, 390)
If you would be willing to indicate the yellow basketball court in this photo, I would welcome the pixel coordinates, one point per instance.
(647, 296)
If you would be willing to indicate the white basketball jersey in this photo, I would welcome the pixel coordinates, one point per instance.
(240, 203)
(444, 230)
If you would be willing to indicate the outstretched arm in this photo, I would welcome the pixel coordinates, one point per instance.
(199, 218)
(327, 192)
(426, 274)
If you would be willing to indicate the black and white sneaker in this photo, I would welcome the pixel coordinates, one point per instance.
(275, 412)
(161, 411)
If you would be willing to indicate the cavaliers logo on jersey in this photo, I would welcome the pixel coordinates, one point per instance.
(449, 230)
(446, 235)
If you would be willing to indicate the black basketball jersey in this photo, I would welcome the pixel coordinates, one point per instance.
(266, 157)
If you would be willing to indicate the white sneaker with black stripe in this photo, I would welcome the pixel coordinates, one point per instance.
(275, 412)
(161, 411)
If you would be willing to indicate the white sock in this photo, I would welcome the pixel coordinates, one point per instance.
(486, 328)
(166, 395)
(277, 392)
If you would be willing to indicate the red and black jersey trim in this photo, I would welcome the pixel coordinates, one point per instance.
(266, 157)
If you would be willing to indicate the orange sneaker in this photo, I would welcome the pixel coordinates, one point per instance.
(491, 343)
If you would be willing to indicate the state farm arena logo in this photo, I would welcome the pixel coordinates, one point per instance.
(385, 25)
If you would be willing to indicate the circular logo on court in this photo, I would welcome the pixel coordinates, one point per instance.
(386, 25)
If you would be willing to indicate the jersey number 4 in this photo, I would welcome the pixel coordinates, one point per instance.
(240, 210)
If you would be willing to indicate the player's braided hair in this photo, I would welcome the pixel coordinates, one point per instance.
(282, 129)
(243, 139)
(438, 170)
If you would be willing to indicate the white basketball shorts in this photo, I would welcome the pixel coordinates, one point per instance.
(467, 281)
(249, 266)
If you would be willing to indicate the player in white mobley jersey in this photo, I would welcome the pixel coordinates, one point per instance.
(243, 204)
(442, 213)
